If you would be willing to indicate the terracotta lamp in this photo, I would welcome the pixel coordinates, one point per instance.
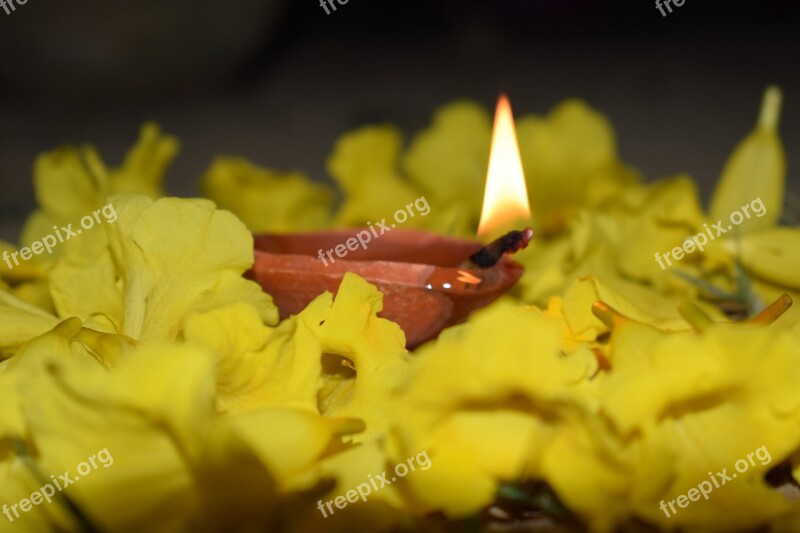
(429, 281)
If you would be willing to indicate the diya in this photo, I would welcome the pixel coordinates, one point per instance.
(429, 281)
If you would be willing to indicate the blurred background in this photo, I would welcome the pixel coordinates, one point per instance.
(278, 81)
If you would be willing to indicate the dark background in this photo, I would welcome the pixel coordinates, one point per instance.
(277, 81)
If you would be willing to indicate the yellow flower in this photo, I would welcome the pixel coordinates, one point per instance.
(73, 183)
(336, 356)
(142, 338)
(259, 366)
(600, 245)
(580, 296)
(373, 347)
(165, 276)
(487, 407)
(668, 213)
(364, 164)
(756, 169)
(267, 200)
(752, 185)
(702, 403)
(570, 161)
(131, 277)
(449, 160)
(150, 422)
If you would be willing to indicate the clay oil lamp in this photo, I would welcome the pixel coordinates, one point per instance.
(429, 281)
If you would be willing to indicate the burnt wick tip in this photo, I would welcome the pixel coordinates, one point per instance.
(511, 242)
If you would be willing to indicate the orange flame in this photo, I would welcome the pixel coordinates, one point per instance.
(505, 199)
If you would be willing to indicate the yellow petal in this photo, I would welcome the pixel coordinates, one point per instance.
(161, 457)
(671, 214)
(449, 160)
(570, 161)
(145, 164)
(374, 347)
(352, 468)
(15, 268)
(755, 170)
(267, 200)
(84, 280)
(72, 183)
(270, 433)
(20, 322)
(470, 390)
(196, 265)
(584, 292)
(66, 181)
(773, 255)
(259, 366)
(364, 164)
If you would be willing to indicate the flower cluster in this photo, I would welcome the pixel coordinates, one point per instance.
(612, 382)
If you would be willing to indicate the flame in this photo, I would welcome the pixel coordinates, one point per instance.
(505, 199)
